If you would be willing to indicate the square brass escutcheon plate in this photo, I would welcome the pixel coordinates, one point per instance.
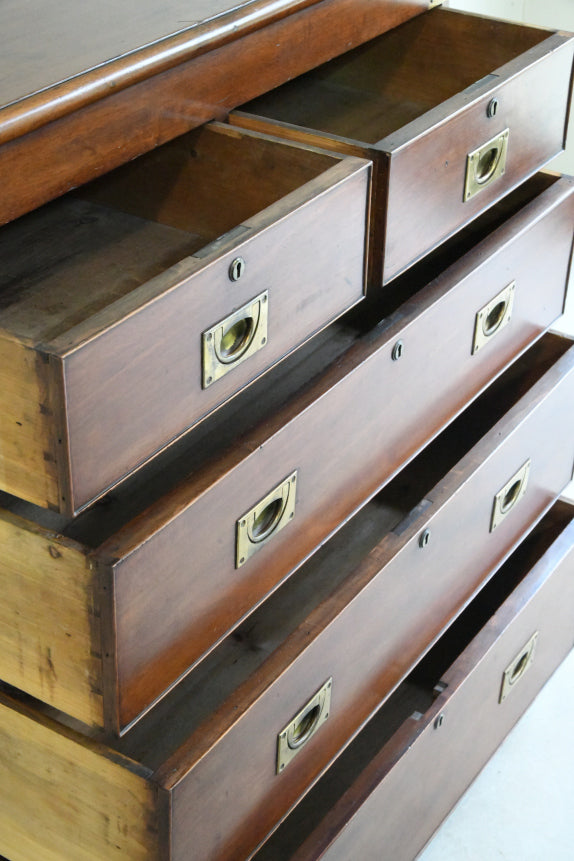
(508, 496)
(230, 342)
(493, 317)
(485, 164)
(295, 735)
(268, 517)
(517, 667)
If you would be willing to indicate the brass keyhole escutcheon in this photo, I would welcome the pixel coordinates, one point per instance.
(235, 339)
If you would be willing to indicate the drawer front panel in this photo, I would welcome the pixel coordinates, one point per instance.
(139, 385)
(345, 444)
(427, 170)
(427, 769)
(378, 636)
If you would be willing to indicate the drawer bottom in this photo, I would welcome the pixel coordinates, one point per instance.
(388, 793)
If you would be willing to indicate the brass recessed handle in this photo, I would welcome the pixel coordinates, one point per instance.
(493, 317)
(510, 495)
(517, 667)
(485, 164)
(295, 735)
(234, 339)
(268, 517)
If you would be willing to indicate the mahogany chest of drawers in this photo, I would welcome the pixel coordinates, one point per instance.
(283, 429)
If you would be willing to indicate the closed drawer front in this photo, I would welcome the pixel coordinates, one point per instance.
(455, 110)
(341, 439)
(391, 789)
(135, 308)
(322, 654)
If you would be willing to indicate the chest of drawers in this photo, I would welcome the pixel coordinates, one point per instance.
(300, 506)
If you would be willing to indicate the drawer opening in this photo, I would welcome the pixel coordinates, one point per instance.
(394, 79)
(77, 255)
(416, 694)
(319, 581)
(152, 487)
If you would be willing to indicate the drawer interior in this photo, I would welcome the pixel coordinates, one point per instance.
(380, 87)
(77, 255)
(416, 693)
(241, 654)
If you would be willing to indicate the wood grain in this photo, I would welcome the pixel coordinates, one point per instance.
(28, 449)
(100, 120)
(376, 808)
(49, 627)
(419, 111)
(398, 581)
(88, 282)
(63, 798)
(311, 433)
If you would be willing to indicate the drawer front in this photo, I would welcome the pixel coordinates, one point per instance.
(409, 597)
(345, 440)
(143, 308)
(429, 103)
(375, 817)
(221, 319)
(427, 166)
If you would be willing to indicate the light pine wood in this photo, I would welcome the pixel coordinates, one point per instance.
(27, 449)
(49, 637)
(83, 805)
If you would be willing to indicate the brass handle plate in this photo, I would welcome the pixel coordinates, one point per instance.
(517, 667)
(271, 514)
(295, 735)
(493, 317)
(485, 164)
(233, 340)
(507, 497)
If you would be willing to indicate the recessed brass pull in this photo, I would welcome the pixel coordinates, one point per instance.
(507, 498)
(303, 726)
(517, 667)
(493, 317)
(231, 341)
(266, 519)
(485, 164)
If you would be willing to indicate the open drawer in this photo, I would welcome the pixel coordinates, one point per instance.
(268, 710)
(135, 307)
(454, 110)
(131, 594)
(390, 790)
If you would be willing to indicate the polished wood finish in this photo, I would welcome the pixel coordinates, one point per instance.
(366, 808)
(219, 727)
(159, 627)
(97, 118)
(415, 100)
(115, 288)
